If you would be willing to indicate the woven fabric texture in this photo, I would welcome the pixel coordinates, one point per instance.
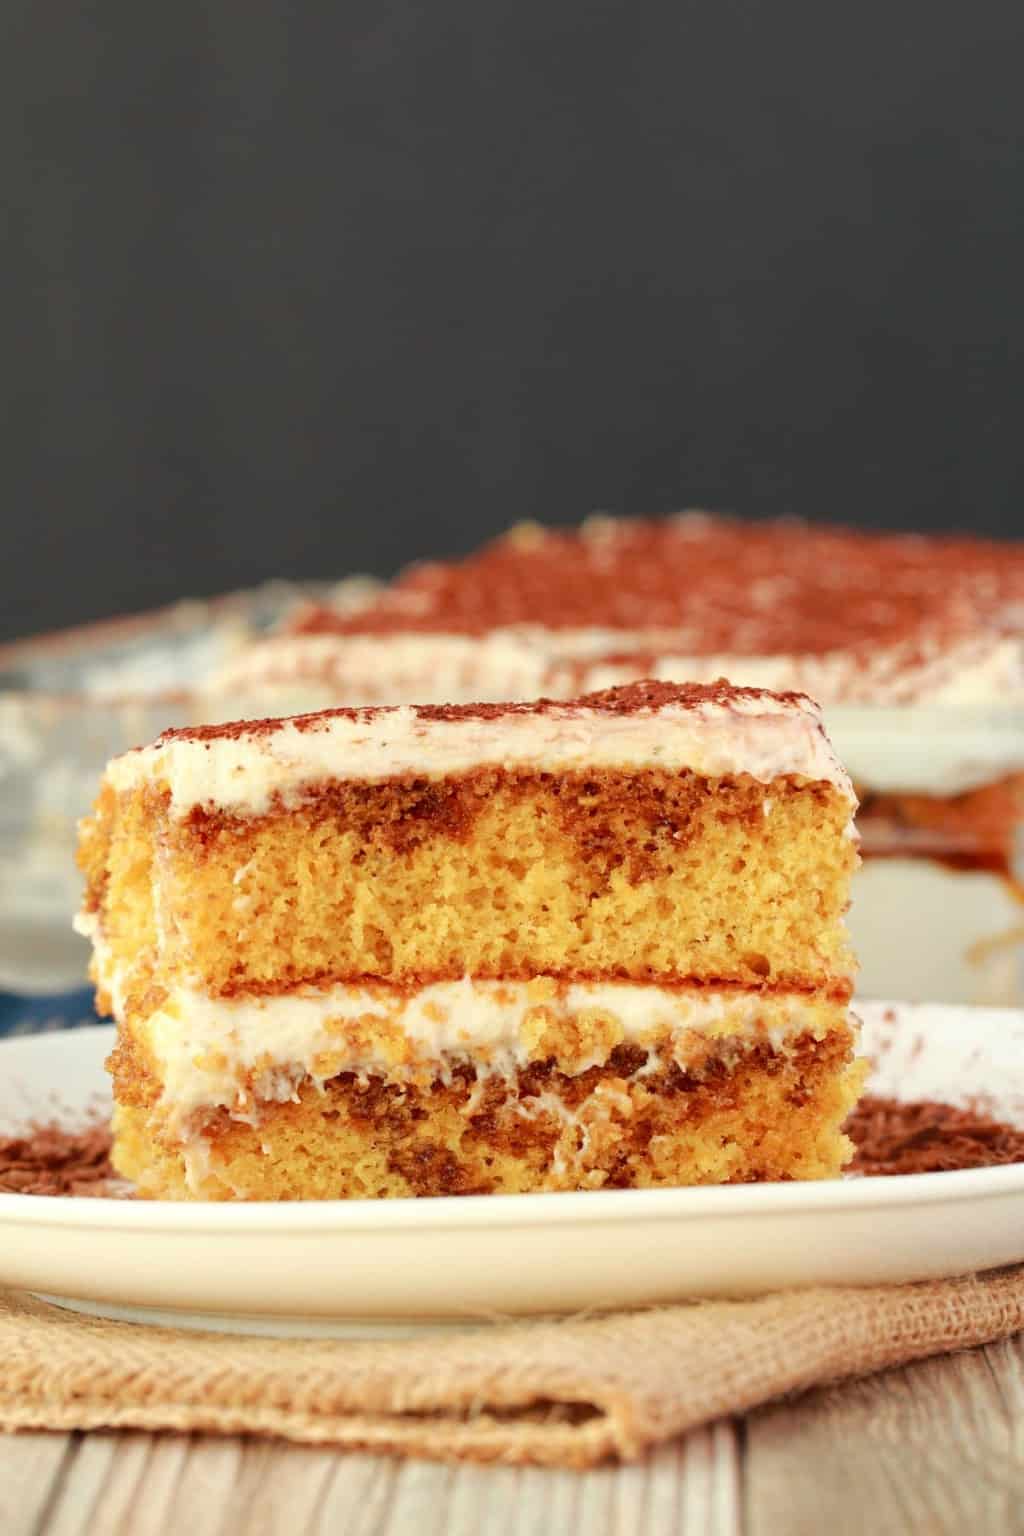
(567, 1393)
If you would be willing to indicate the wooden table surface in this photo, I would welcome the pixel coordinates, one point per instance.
(935, 1448)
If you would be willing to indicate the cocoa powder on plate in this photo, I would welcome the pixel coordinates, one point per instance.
(49, 1159)
(926, 1137)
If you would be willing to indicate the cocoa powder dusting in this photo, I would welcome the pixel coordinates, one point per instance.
(925, 1137)
(626, 699)
(726, 586)
(50, 1160)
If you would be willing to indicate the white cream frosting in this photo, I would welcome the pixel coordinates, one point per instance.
(398, 668)
(762, 736)
(983, 670)
(204, 1047)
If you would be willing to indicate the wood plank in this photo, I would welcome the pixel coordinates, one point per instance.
(932, 1448)
(711, 1482)
(664, 1505)
(688, 1489)
(122, 1484)
(1006, 1361)
(484, 1499)
(153, 1485)
(547, 1500)
(204, 1498)
(280, 1487)
(151, 1512)
(134, 1484)
(419, 1504)
(31, 1467)
(159, 1485)
(631, 1499)
(356, 1497)
(75, 1512)
(592, 1506)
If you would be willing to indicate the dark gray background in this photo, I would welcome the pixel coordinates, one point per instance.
(309, 288)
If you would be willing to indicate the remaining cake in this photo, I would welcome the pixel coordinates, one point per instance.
(420, 951)
(849, 617)
(913, 645)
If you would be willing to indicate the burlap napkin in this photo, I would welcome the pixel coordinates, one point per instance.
(563, 1393)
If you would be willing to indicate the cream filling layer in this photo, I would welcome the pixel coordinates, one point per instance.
(763, 736)
(236, 1052)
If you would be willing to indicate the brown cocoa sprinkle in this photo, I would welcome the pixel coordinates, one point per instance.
(926, 1137)
(731, 587)
(627, 699)
(50, 1160)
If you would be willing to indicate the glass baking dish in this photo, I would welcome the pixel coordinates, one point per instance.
(938, 904)
(68, 703)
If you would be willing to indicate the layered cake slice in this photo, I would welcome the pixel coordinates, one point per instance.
(423, 951)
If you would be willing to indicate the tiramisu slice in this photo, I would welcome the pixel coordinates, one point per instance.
(423, 951)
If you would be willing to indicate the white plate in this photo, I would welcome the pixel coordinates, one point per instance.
(405, 1263)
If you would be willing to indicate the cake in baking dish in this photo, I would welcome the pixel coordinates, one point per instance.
(847, 616)
(494, 948)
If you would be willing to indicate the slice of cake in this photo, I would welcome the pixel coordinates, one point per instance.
(420, 951)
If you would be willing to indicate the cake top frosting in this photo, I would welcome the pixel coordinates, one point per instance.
(713, 729)
(643, 697)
